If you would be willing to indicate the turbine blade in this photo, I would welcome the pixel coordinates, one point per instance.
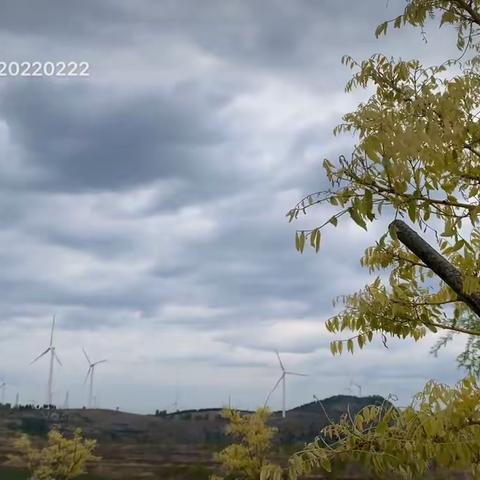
(273, 389)
(53, 328)
(100, 361)
(280, 360)
(86, 356)
(297, 374)
(88, 374)
(40, 356)
(58, 360)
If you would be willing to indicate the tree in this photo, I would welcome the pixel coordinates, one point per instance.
(248, 459)
(418, 158)
(61, 459)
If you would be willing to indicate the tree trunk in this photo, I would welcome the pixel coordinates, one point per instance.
(438, 263)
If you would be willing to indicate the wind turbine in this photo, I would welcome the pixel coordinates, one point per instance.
(282, 381)
(353, 384)
(359, 389)
(175, 403)
(90, 373)
(66, 403)
(53, 356)
(3, 385)
(173, 407)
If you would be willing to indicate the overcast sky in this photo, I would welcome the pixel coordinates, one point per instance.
(145, 204)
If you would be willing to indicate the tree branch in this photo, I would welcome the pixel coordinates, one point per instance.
(474, 15)
(436, 262)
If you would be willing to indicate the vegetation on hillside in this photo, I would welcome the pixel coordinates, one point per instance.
(61, 459)
(250, 456)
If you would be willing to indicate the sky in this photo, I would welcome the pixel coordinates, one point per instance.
(144, 205)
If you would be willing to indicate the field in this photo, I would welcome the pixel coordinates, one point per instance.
(13, 474)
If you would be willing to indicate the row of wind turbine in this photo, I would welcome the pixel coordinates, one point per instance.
(54, 357)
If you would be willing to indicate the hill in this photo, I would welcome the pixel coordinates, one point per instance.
(176, 445)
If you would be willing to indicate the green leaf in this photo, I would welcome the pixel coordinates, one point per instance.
(315, 237)
(357, 218)
(325, 464)
(381, 29)
(368, 201)
(447, 17)
(432, 328)
(412, 210)
(301, 242)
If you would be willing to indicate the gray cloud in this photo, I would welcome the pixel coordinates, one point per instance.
(145, 205)
(80, 146)
(59, 20)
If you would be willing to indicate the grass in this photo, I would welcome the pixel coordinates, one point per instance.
(15, 474)
(12, 474)
(192, 472)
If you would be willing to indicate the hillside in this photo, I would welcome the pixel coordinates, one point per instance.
(177, 445)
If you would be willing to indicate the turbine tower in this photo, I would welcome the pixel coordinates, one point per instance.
(90, 373)
(353, 384)
(53, 356)
(3, 385)
(282, 381)
(174, 405)
(359, 389)
(66, 403)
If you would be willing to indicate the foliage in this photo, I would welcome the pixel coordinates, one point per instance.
(61, 459)
(248, 459)
(418, 154)
(441, 426)
(417, 157)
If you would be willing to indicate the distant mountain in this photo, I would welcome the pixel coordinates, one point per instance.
(340, 403)
(305, 422)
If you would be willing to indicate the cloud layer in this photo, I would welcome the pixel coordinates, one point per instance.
(145, 205)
